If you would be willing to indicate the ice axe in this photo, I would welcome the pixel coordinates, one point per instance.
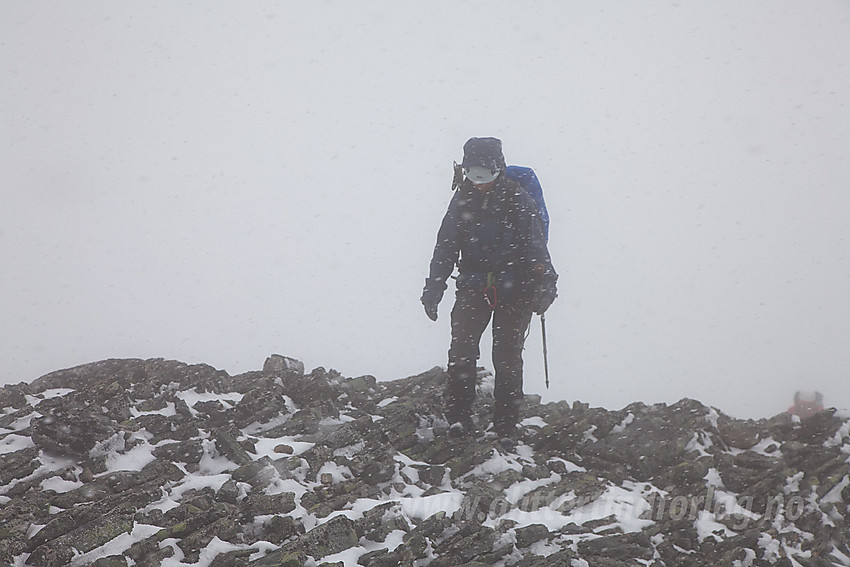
(538, 272)
(545, 350)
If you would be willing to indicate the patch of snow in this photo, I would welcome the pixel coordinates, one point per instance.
(426, 506)
(487, 384)
(790, 552)
(339, 473)
(425, 433)
(211, 462)
(712, 416)
(177, 557)
(515, 492)
(627, 505)
(54, 463)
(169, 410)
(265, 446)
(116, 546)
(534, 421)
(135, 459)
(257, 428)
(282, 485)
(54, 393)
(497, 463)
(13, 442)
(22, 422)
(407, 461)
(544, 548)
(348, 558)
(834, 494)
(699, 443)
(707, 526)
(588, 435)
(207, 554)
(406, 490)
(360, 506)
(728, 501)
(840, 435)
(623, 424)
(49, 463)
(770, 546)
(114, 444)
(198, 482)
(387, 401)
(762, 445)
(59, 485)
(330, 423)
(571, 466)
(841, 557)
(407, 474)
(749, 557)
(525, 452)
(792, 483)
(349, 451)
(394, 539)
(712, 478)
(192, 397)
(171, 494)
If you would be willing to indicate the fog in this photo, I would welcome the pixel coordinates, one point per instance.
(219, 181)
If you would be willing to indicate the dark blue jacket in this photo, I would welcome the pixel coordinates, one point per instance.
(498, 233)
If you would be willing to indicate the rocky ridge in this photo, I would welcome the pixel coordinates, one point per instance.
(156, 462)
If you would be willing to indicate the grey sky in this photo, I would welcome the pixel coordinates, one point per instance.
(217, 181)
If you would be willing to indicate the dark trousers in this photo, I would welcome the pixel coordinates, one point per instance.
(470, 316)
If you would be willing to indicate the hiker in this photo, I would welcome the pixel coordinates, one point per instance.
(493, 232)
(806, 404)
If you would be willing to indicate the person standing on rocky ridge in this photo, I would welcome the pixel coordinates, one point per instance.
(806, 403)
(493, 232)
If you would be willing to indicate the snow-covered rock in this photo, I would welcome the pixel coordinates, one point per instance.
(156, 462)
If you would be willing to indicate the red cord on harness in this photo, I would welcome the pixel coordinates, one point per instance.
(491, 285)
(493, 300)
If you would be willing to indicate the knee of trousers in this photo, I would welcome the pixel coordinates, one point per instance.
(461, 364)
(508, 363)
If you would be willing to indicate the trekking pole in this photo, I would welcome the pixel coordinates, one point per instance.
(545, 350)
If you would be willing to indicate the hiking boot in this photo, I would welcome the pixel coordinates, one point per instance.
(462, 429)
(510, 431)
(507, 436)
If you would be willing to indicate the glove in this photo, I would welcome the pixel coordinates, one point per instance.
(431, 299)
(544, 296)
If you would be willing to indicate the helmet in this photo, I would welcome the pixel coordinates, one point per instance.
(479, 175)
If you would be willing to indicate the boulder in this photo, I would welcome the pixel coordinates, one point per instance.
(72, 431)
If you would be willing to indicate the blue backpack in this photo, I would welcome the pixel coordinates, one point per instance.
(527, 179)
